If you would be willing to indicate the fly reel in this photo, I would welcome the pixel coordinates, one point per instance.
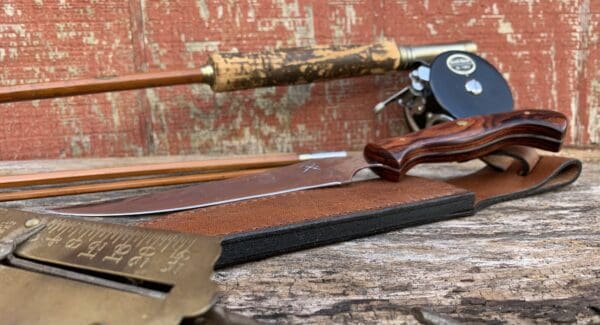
(455, 85)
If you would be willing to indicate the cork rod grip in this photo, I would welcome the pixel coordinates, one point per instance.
(235, 71)
(467, 139)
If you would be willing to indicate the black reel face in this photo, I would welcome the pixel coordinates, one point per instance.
(464, 84)
(455, 85)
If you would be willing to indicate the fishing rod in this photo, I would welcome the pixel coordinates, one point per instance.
(237, 71)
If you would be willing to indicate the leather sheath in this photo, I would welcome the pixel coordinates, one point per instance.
(263, 227)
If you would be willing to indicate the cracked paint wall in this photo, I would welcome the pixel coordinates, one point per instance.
(548, 50)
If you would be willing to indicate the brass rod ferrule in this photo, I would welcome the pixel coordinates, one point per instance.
(409, 55)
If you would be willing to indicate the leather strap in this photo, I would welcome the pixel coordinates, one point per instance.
(274, 225)
(503, 159)
(491, 186)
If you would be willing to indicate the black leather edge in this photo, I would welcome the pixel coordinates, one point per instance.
(544, 186)
(250, 246)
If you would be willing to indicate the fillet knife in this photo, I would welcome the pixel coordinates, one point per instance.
(455, 141)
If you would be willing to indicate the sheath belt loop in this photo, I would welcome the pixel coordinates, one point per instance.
(502, 159)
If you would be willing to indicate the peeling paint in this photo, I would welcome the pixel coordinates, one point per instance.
(155, 53)
(79, 144)
(220, 12)
(554, 74)
(203, 47)
(295, 97)
(90, 39)
(56, 54)
(9, 10)
(581, 54)
(203, 9)
(13, 53)
(529, 3)
(62, 4)
(113, 99)
(13, 30)
(158, 116)
(302, 26)
(202, 92)
(505, 27)
(594, 112)
(431, 29)
(65, 31)
(73, 71)
(97, 110)
(351, 18)
(345, 19)
(547, 51)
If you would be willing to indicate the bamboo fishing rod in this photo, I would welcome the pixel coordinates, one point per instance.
(236, 71)
(209, 170)
(197, 166)
(122, 185)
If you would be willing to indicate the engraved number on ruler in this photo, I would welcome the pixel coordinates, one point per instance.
(92, 249)
(119, 251)
(112, 245)
(176, 261)
(143, 257)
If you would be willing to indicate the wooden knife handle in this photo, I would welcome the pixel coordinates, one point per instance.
(467, 139)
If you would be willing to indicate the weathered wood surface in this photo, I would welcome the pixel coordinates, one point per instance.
(548, 51)
(534, 260)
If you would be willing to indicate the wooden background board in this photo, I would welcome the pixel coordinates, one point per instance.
(548, 50)
(533, 260)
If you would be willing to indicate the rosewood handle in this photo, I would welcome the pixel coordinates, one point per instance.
(467, 139)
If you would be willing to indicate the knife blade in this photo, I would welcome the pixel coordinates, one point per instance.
(455, 141)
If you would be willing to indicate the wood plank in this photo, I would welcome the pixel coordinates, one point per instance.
(534, 260)
(546, 49)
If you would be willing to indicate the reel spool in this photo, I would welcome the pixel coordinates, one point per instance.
(455, 85)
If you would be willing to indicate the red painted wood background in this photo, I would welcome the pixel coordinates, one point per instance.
(548, 50)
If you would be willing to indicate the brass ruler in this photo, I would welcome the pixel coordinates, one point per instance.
(70, 271)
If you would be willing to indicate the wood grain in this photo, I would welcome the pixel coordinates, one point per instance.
(467, 139)
(533, 260)
(98, 85)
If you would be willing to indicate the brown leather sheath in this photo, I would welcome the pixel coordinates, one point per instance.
(268, 226)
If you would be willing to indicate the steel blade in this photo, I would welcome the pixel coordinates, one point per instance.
(301, 176)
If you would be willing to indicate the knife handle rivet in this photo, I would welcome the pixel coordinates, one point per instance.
(32, 222)
(462, 123)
